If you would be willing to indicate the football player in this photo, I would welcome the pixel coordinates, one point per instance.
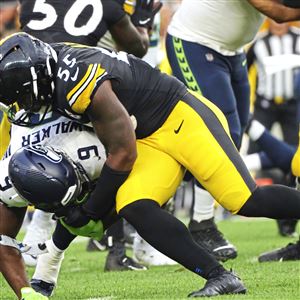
(82, 146)
(176, 130)
(86, 23)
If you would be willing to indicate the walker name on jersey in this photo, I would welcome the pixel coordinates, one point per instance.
(49, 131)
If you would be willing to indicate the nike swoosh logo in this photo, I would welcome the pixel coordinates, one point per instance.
(144, 22)
(176, 131)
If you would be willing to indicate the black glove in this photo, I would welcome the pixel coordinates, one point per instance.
(75, 217)
(144, 13)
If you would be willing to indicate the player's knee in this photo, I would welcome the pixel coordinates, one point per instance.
(137, 211)
(253, 205)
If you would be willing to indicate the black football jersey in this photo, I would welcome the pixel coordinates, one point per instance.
(76, 21)
(145, 92)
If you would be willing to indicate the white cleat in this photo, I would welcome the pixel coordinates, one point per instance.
(144, 253)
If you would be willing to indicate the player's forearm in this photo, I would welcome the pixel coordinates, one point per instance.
(275, 10)
(13, 269)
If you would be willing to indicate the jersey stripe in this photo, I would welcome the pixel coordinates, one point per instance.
(79, 96)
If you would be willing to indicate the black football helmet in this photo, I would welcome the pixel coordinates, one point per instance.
(26, 75)
(47, 178)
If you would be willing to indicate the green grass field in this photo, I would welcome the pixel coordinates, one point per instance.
(82, 275)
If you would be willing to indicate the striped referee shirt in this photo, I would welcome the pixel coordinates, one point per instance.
(277, 87)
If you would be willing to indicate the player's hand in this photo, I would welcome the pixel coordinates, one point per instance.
(74, 216)
(29, 293)
(144, 13)
(93, 229)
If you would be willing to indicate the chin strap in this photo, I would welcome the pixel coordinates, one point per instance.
(33, 249)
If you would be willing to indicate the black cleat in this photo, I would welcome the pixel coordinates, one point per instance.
(224, 284)
(42, 287)
(117, 260)
(94, 245)
(207, 235)
(289, 252)
(123, 263)
(287, 227)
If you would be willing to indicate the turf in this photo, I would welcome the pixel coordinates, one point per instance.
(82, 275)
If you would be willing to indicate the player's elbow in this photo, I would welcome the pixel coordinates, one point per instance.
(138, 48)
(124, 158)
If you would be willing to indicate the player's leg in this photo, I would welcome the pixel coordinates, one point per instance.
(153, 180)
(217, 164)
(48, 266)
(279, 152)
(207, 73)
(38, 231)
(241, 89)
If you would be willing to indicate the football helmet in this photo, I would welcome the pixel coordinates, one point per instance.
(26, 74)
(47, 178)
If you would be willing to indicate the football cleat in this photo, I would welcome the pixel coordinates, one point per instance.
(289, 252)
(117, 260)
(287, 227)
(42, 287)
(224, 284)
(123, 263)
(94, 245)
(207, 235)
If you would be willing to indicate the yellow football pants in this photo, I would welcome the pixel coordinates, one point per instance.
(194, 137)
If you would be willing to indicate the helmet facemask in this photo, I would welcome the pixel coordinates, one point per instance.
(26, 77)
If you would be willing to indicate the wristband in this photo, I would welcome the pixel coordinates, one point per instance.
(103, 198)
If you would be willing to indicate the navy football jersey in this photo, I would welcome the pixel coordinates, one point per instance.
(145, 92)
(77, 21)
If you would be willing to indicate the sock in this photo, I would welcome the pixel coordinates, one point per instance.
(252, 162)
(61, 237)
(203, 208)
(256, 130)
(49, 264)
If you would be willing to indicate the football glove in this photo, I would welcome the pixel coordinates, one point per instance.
(144, 13)
(78, 223)
(28, 293)
(93, 229)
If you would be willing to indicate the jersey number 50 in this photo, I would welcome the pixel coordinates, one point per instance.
(40, 6)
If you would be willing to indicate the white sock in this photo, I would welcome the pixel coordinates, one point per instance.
(49, 264)
(203, 206)
(40, 227)
(256, 130)
(252, 162)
